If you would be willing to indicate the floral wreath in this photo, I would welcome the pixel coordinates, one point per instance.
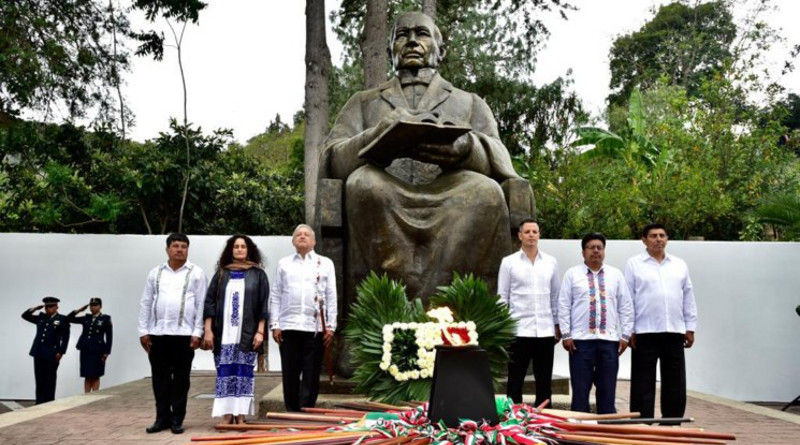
(393, 339)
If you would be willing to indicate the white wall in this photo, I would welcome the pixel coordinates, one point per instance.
(76, 267)
(747, 338)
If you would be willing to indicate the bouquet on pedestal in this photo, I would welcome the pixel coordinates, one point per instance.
(394, 339)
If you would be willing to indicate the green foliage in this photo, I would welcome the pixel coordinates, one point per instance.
(717, 161)
(151, 43)
(280, 147)
(59, 54)
(61, 178)
(782, 211)
(381, 301)
(685, 44)
(633, 146)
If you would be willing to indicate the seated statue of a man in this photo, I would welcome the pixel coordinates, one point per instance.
(435, 206)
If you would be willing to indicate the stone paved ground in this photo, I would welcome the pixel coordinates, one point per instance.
(118, 415)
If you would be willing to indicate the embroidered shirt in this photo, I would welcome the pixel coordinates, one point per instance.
(663, 296)
(530, 289)
(575, 301)
(169, 293)
(299, 284)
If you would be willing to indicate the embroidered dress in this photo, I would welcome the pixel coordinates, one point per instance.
(235, 382)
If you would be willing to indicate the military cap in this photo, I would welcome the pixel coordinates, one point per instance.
(50, 300)
(96, 300)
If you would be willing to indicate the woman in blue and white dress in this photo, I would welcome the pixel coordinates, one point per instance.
(235, 314)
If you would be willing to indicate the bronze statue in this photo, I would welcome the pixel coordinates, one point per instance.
(422, 166)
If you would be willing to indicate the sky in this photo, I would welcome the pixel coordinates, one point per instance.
(244, 62)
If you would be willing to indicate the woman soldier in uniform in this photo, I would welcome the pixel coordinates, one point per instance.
(94, 342)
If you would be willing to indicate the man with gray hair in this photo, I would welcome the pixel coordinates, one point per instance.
(302, 311)
(419, 204)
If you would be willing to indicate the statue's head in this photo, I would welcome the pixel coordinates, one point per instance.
(416, 42)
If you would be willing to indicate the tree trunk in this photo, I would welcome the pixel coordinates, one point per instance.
(429, 8)
(374, 41)
(318, 68)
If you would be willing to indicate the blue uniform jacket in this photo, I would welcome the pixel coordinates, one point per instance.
(52, 334)
(97, 332)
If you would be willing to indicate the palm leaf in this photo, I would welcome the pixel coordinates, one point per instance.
(469, 300)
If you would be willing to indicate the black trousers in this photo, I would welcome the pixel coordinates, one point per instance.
(45, 372)
(538, 351)
(301, 354)
(170, 363)
(594, 362)
(650, 348)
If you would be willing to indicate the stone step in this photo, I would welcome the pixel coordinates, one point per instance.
(273, 401)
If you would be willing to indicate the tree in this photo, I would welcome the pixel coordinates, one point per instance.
(373, 43)
(318, 68)
(153, 44)
(61, 57)
(782, 211)
(633, 146)
(682, 43)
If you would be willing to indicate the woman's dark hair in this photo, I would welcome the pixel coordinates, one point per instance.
(253, 254)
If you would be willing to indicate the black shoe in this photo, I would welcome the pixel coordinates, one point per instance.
(156, 427)
(176, 428)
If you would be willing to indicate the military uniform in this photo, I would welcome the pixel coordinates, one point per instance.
(52, 337)
(94, 342)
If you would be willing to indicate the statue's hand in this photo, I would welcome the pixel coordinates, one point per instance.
(398, 114)
(446, 156)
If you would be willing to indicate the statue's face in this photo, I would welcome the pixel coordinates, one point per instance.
(414, 44)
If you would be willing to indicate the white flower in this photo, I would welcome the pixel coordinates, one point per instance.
(425, 373)
(384, 366)
(393, 370)
(387, 347)
(471, 325)
(403, 326)
(388, 338)
(387, 329)
(387, 357)
(461, 324)
(395, 325)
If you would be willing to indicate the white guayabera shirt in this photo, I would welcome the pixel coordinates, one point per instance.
(530, 289)
(585, 314)
(172, 301)
(663, 296)
(299, 283)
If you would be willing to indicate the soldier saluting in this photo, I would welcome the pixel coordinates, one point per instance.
(94, 342)
(49, 345)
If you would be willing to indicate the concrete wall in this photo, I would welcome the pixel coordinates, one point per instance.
(746, 345)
